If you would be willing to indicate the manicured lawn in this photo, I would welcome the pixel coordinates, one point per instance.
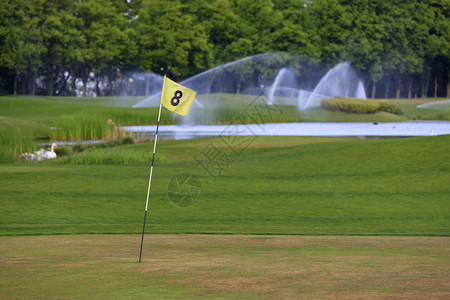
(276, 185)
(225, 108)
(269, 217)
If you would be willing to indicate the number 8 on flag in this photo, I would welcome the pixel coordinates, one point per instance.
(176, 98)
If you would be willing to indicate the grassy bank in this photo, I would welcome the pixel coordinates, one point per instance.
(19, 136)
(292, 185)
(72, 118)
(27, 121)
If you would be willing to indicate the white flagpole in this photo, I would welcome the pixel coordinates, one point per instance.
(150, 180)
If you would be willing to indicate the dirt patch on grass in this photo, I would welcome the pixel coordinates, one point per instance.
(296, 266)
(240, 266)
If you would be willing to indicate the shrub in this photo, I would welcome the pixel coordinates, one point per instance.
(360, 106)
(127, 141)
(112, 143)
(77, 148)
(62, 151)
(389, 106)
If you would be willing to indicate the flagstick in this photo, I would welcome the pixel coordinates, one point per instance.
(150, 180)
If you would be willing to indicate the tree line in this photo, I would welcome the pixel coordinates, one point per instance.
(400, 48)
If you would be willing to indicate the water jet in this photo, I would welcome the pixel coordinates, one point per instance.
(285, 79)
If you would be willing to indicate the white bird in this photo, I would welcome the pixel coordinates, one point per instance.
(50, 154)
(39, 155)
(27, 156)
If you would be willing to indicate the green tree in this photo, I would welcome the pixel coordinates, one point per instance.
(294, 34)
(170, 39)
(437, 47)
(220, 22)
(403, 42)
(22, 42)
(364, 44)
(62, 39)
(7, 41)
(332, 24)
(103, 30)
(256, 22)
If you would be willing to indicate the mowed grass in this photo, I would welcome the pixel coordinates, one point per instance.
(219, 108)
(270, 185)
(224, 267)
(306, 201)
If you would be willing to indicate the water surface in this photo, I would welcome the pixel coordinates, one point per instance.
(355, 129)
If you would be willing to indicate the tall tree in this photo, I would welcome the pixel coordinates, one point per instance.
(170, 39)
(103, 30)
(404, 44)
(364, 44)
(220, 22)
(8, 35)
(295, 34)
(22, 42)
(62, 40)
(437, 46)
(332, 23)
(256, 21)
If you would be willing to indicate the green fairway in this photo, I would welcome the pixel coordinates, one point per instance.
(48, 110)
(330, 190)
(224, 267)
(264, 185)
(275, 185)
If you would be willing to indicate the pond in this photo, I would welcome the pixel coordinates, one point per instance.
(351, 129)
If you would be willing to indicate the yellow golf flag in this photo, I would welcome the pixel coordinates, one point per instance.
(176, 98)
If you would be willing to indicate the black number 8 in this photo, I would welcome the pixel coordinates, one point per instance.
(176, 98)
